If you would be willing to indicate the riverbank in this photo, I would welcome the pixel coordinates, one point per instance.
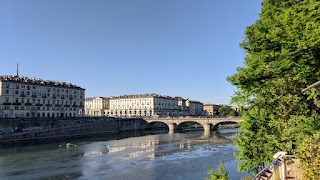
(89, 128)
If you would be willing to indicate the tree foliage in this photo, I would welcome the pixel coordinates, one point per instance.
(227, 111)
(282, 57)
(220, 174)
(309, 155)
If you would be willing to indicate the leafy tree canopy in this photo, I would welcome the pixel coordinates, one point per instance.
(282, 57)
(220, 174)
(227, 111)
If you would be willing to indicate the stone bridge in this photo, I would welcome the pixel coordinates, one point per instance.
(208, 124)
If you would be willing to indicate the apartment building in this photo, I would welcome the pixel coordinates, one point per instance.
(211, 109)
(96, 106)
(142, 105)
(34, 97)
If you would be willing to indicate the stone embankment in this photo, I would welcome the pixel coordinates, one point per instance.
(14, 130)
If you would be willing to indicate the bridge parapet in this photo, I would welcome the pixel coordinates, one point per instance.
(205, 122)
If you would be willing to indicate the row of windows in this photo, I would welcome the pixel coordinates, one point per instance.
(28, 114)
(39, 108)
(17, 86)
(39, 94)
(44, 101)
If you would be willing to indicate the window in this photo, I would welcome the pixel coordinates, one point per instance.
(6, 91)
(17, 92)
(23, 86)
(22, 108)
(7, 99)
(7, 85)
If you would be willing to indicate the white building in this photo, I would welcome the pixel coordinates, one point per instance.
(33, 97)
(196, 108)
(145, 105)
(96, 106)
(142, 105)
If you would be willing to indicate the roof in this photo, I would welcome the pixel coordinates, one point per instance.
(37, 81)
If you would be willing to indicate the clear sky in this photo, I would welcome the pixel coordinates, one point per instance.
(181, 48)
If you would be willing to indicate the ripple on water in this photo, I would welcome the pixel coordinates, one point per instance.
(62, 176)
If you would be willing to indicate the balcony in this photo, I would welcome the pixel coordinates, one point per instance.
(23, 95)
(6, 103)
(38, 104)
(34, 96)
(48, 104)
(53, 97)
(28, 104)
(62, 97)
(74, 106)
(66, 105)
(70, 98)
(44, 96)
(57, 105)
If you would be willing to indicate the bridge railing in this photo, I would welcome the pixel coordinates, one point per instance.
(282, 167)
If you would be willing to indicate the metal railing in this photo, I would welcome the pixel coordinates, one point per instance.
(282, 167)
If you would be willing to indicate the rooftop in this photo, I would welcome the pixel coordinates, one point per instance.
(37, 81)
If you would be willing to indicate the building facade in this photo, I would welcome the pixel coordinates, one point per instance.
(33, 97)
(196, 108)
(211, 109)
(96, 106)
(148, 105)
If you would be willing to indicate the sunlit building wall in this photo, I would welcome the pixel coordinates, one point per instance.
(34, 97)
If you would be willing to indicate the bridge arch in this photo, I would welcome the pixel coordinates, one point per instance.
(156, 124)
(189, 124)
(215, 126)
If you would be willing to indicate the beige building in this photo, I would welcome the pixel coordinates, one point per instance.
(142, 105)
(211, 109)
(33, 97)
(147, 105)
(96, 106)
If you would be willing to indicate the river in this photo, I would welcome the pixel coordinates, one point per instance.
(179, 156)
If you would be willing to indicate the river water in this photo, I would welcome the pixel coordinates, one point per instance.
(179, 156)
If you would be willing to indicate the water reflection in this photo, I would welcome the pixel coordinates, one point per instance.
(161, 156)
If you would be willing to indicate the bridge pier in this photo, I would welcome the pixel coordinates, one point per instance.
(171, 128)
(206, 128)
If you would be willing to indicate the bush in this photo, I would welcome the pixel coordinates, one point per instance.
(221, 174)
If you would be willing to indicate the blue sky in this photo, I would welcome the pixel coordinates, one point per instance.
(181, 48)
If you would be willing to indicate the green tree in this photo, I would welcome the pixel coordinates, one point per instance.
(309, 155)
(227, 111)
(221, 174)
(282, 57)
